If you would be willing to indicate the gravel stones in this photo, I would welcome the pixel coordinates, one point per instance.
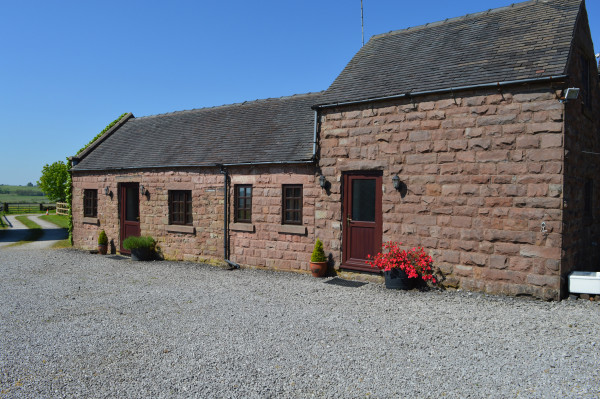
(81, 325)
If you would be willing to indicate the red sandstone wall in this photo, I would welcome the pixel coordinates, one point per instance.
(207, 193)
(266, 245)
(483, 171)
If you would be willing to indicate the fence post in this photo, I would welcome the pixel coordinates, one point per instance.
(5, 207)
(41, 207)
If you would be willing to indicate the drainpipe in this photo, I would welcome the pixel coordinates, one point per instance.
(226, 219)
(314, 154)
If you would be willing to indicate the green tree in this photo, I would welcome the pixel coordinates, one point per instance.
(30, 184)
(54, 181)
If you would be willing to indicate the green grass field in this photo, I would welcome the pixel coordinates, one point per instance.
(59, 220)
(16, 211)
(22, 194)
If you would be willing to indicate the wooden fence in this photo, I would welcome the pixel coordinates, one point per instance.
(8, 207)
(62, 208)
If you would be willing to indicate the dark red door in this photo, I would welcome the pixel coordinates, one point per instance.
(130, 212)
(362, 229)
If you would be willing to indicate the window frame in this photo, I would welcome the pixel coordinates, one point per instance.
(90, 203)
(247, 202)
(284, 199)
(186, 212)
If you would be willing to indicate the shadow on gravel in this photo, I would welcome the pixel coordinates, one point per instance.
(118, 257)
(345, 283)
(54, 234)
(14, 235)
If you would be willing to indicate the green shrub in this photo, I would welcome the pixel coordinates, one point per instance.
(318, 254)
(102, 238)
(139, 242)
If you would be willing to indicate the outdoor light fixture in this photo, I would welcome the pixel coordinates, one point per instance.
(396, 182)
(570, 94)
(106, 190)
(143, 190)
(322, 181)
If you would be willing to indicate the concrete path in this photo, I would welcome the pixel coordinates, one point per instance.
(18, 232)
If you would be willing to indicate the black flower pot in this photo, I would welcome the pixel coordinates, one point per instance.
(397, 279)
(142, 254)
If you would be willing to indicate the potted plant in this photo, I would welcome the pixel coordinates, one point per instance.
(318, 260)
(102, 243)
(142, 248)
(403, 268)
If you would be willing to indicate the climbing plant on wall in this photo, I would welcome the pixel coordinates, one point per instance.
(69, 188)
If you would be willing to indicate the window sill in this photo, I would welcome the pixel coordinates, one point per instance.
(291, 229)
(174, 228)
(88, 220)
(248, 227)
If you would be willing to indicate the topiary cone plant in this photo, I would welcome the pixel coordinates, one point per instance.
(102, 243)
(318, 260)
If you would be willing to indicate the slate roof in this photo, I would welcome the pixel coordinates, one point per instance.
(271, 130)
(522, 41)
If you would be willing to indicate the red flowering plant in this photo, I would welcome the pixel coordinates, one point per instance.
(415, 262)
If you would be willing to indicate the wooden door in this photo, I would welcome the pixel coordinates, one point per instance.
(362, 231)
(130, 212)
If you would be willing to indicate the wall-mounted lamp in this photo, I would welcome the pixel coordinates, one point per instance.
(143, 190)
(106, 190)
(570, 94)
(322, 181)
(396, 182)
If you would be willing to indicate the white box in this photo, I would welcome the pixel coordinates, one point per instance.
(584, 282)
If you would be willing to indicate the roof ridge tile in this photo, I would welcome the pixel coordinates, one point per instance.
(231, 105)
(459, 18)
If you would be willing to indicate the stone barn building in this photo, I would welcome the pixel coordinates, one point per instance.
(460, 136)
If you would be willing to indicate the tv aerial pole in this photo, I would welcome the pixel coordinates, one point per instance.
(362, 23)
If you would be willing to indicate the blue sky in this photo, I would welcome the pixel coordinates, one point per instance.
(68, 68)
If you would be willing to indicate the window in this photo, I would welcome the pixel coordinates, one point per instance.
(243, 203)
(292, 204)
(180, 207)
(90, 203)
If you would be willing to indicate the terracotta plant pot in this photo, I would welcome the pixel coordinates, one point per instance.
(318, 269)
(102, 249)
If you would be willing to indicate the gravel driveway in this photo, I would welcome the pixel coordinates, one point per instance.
(81, 325)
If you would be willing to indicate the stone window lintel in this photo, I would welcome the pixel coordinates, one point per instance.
(176, 228)
(291, 229)
(248, 227)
